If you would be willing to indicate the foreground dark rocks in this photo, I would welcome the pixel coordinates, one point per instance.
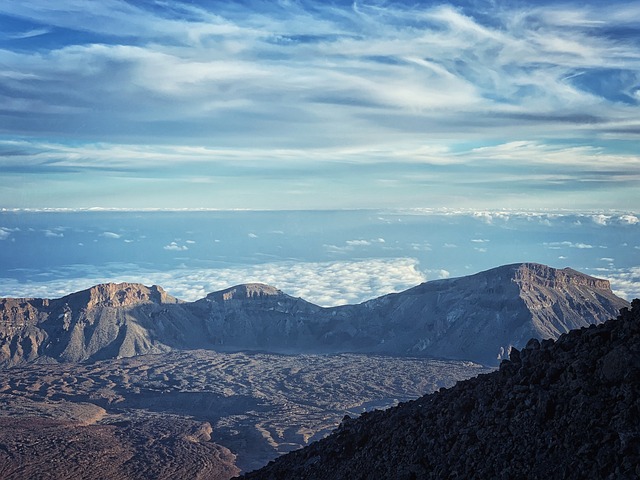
(568, 409)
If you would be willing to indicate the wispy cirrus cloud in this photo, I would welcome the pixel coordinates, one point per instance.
(390, 57)
(525, 98)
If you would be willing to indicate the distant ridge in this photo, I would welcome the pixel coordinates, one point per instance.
(248, 290)
(478, 317)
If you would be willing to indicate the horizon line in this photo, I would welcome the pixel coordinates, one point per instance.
(418, 210)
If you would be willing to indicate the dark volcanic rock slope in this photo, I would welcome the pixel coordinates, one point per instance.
(568, 409)
(478, 318)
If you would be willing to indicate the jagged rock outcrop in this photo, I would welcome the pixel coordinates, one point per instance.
(246, 291)
(479, 317)
(568, 409)
(120, 295)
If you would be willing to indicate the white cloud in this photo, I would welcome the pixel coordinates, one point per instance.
(53, 234)
(490, 216)
(358, 243)
(539, 153)
(424, 247)
(480, 240)
(440, 274)
(173, 246)
(567, 244)
(110, 235)
(252, 235)
(601, 219)
(629, 219)
(351, 245)
(4, 233)
(625, 282)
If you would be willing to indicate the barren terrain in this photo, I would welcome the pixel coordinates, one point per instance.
(163, 407)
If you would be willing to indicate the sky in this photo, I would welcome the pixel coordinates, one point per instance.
(319, 104)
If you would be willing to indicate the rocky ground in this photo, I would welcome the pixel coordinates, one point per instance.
(161, 448)
(175, 414)
(568, 409)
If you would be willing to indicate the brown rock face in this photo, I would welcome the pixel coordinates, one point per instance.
(121, 295)
(246, 291)
(529, 274)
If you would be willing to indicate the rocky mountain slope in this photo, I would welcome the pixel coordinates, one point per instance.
(568, 409)
(479, 317)
(105, 321)
(482, 316)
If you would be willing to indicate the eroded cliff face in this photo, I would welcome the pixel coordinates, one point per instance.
(528, 275)
(479, 317)
(120, 295)
(19, 335)
(103, 321)
(247, 291)
(562, 300)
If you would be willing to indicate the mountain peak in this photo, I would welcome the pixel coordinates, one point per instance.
(122, 295)
(246, 291)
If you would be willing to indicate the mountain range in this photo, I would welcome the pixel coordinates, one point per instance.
(479, 317)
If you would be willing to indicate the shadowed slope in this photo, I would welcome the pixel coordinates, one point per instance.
(568, 409)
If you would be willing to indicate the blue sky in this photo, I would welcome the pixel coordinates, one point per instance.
(310, 105)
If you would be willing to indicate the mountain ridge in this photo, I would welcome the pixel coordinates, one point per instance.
(477, 317)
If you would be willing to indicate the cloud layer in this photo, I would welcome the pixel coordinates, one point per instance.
(329, 257)
(323, 283)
